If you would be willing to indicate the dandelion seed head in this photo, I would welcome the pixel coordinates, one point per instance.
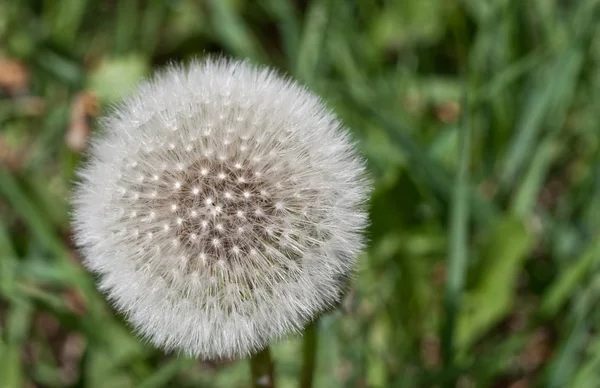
(220, 208)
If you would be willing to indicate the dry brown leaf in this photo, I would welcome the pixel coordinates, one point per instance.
(85, 105)
(14, 76)
(75, 301)
(537, 351)
(523, 383)
(431, 351)
(448, 112)
(70, 356)
(47, 324)
(30, 105)
(488, 188)
(11, 157)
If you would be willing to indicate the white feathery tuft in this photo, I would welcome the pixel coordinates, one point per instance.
(222, 207)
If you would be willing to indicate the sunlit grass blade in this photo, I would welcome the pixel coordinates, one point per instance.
(493, 280)
(570, 279)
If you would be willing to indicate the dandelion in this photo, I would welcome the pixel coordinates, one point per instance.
(222, 207)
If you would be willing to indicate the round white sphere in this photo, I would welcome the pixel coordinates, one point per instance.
(222, 207)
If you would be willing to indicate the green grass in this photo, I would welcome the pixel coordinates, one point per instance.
(479, 120)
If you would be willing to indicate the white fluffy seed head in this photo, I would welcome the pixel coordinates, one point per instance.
(222, 207)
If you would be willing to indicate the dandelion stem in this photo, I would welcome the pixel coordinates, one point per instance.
(261, 367)
(309, 362)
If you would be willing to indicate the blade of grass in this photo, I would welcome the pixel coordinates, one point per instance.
(568, 358)
(6, 247)
(458, 255)
(60, 67)
(312, 41)
(437, 178)
(584, 18)
(589, 373)
(287, 23)
(546, 94)
(126, 26)
(346, 49)
(569, 280)
(525, 199)
(18, 322)
(39, 226)
(493, 280)
(233, 31)
(64, 19)
(166, 372)
(152, 18)
(508, 76)
(8, 264)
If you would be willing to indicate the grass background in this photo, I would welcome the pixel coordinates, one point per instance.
(480, 123)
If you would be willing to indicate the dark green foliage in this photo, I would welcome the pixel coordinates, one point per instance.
(488, 277)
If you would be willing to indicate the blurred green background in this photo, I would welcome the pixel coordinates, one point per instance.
(479, 119)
